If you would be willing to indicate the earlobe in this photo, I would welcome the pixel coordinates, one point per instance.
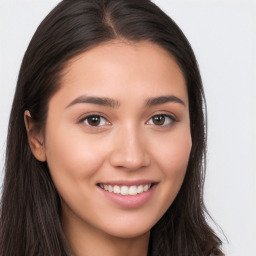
(35, 138)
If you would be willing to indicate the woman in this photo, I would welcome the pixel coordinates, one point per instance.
(106, 138)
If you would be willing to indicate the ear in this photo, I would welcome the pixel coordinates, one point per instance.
(35, 138)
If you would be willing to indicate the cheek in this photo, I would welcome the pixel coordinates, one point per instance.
(73, 160)
(177, 156)
(173, 153)
(173, 157)
(71, 157)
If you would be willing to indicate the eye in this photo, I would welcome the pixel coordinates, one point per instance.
(95, 120)
(161, 120)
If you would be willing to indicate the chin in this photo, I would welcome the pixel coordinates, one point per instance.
(128, 230)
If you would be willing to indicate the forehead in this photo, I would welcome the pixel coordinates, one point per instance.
(136, 69)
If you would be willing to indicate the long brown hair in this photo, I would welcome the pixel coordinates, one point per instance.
(30, 206)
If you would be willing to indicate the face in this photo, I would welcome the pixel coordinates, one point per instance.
(117, 138)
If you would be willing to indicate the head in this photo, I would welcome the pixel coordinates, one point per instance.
(69, 32)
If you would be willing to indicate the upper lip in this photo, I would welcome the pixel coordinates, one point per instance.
(128, 182)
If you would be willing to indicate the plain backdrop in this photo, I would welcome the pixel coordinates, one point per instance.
(223, 36)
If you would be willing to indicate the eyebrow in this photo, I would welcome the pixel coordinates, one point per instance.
(163, 99)
(106, 102)
(112, 103)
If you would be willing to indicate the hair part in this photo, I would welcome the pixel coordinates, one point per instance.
(30, 207)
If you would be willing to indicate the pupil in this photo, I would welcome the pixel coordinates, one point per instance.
(159, 120)
(94, 120)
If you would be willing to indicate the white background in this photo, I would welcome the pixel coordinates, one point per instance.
(223, 36)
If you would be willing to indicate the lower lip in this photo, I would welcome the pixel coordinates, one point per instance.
(129, 201)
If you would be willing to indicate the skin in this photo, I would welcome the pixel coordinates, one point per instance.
(127, 144)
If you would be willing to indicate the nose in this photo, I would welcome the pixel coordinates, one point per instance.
(129, 150)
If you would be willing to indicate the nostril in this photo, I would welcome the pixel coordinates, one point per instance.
(129, 150)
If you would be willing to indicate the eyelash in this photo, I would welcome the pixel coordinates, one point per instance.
(171, 118)
(84, 120)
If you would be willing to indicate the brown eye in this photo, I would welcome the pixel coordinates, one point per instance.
(95, 120)
(161, 120)
(158, 120)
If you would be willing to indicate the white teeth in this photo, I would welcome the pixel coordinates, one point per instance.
(140, 189)
(145, 188)
(116, 189)
(126, 190)
(133, 190)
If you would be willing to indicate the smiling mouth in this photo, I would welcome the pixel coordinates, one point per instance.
(126, 190)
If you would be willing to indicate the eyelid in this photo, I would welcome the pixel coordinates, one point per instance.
(82, 119)
(172, 118)
(85, 116)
